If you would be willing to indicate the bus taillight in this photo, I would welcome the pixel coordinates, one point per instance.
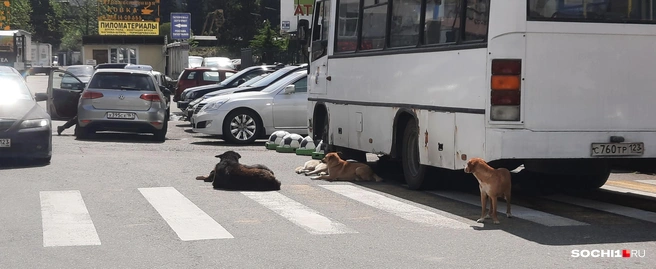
(505, 84)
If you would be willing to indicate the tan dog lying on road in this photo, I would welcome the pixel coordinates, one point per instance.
(341, 170)
(312, 167)
(493, 183)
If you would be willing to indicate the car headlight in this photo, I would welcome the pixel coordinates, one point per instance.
(35, 123)
(214, 105)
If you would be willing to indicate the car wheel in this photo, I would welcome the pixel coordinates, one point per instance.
(413, 171)
(82, 132)
(160, 135)
(241, 126)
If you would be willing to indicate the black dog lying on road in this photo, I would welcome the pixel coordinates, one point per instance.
(229, 174)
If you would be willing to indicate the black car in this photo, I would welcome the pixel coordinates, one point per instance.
(235, 80)
(25, 127)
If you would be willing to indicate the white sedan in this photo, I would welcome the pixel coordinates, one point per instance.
(243, 117)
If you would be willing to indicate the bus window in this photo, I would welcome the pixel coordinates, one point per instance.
(405, 23)
(374, 16)
(347, 25)
(320, 29)
(442, 21)
(476, 20)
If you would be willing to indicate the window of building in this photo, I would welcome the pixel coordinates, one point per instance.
(123, 55)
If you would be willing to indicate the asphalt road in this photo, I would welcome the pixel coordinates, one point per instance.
(123, 201)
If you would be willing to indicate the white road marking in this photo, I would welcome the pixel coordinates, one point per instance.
(398, 208)
(611, 208)
(66, 221)
(532, 215)
(299, 214)
(647, 181)
(625, 190)
(185, 218)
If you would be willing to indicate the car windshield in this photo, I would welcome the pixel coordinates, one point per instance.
(275, 75)
(122, 81)
(13, 88)
(254, 80)
(81, 71)
(195, 61)
(609, 11)
(219, 63)
(284, 82)
(232, 77)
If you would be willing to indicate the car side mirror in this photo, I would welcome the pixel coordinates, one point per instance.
(41, 96)
(290, 89)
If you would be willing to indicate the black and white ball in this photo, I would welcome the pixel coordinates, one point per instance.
(307, 143)
(320, 147)
(291, 141)
(276, 137)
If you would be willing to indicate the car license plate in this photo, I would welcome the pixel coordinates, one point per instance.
(120, 115)
(618, 149)
(5, 143)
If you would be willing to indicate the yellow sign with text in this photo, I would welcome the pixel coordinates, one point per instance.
(128, 28)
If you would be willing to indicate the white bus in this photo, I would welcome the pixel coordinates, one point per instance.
(561, 86)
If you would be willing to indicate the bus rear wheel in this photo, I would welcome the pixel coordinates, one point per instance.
(413, 171)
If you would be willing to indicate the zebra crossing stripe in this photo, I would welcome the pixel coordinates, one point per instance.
(305, 217)
(611, 208)
(66, 220)
(398, 208)
(521, 212)
(187, 220)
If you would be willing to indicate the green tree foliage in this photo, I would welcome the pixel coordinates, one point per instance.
(268, 39)
(21, 11)
(78, 18)
(46, 23)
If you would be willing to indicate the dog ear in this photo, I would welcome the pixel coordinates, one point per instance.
(238, 155)
(219, 156)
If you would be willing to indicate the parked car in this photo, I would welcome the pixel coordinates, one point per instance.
(192, 77)
(243, 117)
(235, 80)
(111, 65)
(259, 85)
(25, 127)
(195, 61)
(116, 100)
(218, 62)
(82, 72)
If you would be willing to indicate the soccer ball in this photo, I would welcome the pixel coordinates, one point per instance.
(320, 148)
(291, 141)
(276, 137)
(307, 143)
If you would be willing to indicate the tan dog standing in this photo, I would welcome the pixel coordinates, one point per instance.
(493, 183)
(340, 170)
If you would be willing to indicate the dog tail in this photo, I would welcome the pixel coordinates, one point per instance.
(298, 169)
(377, 178)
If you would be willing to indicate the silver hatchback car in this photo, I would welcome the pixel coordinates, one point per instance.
(123, 100)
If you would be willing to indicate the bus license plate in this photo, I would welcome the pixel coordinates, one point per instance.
(618, 149)
(120, 115)
(5, 143)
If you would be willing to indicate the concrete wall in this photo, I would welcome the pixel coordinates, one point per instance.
(146, 54)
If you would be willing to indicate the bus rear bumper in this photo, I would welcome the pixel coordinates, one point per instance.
(503, 144)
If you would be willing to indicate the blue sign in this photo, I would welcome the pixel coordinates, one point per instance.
(180, 25)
